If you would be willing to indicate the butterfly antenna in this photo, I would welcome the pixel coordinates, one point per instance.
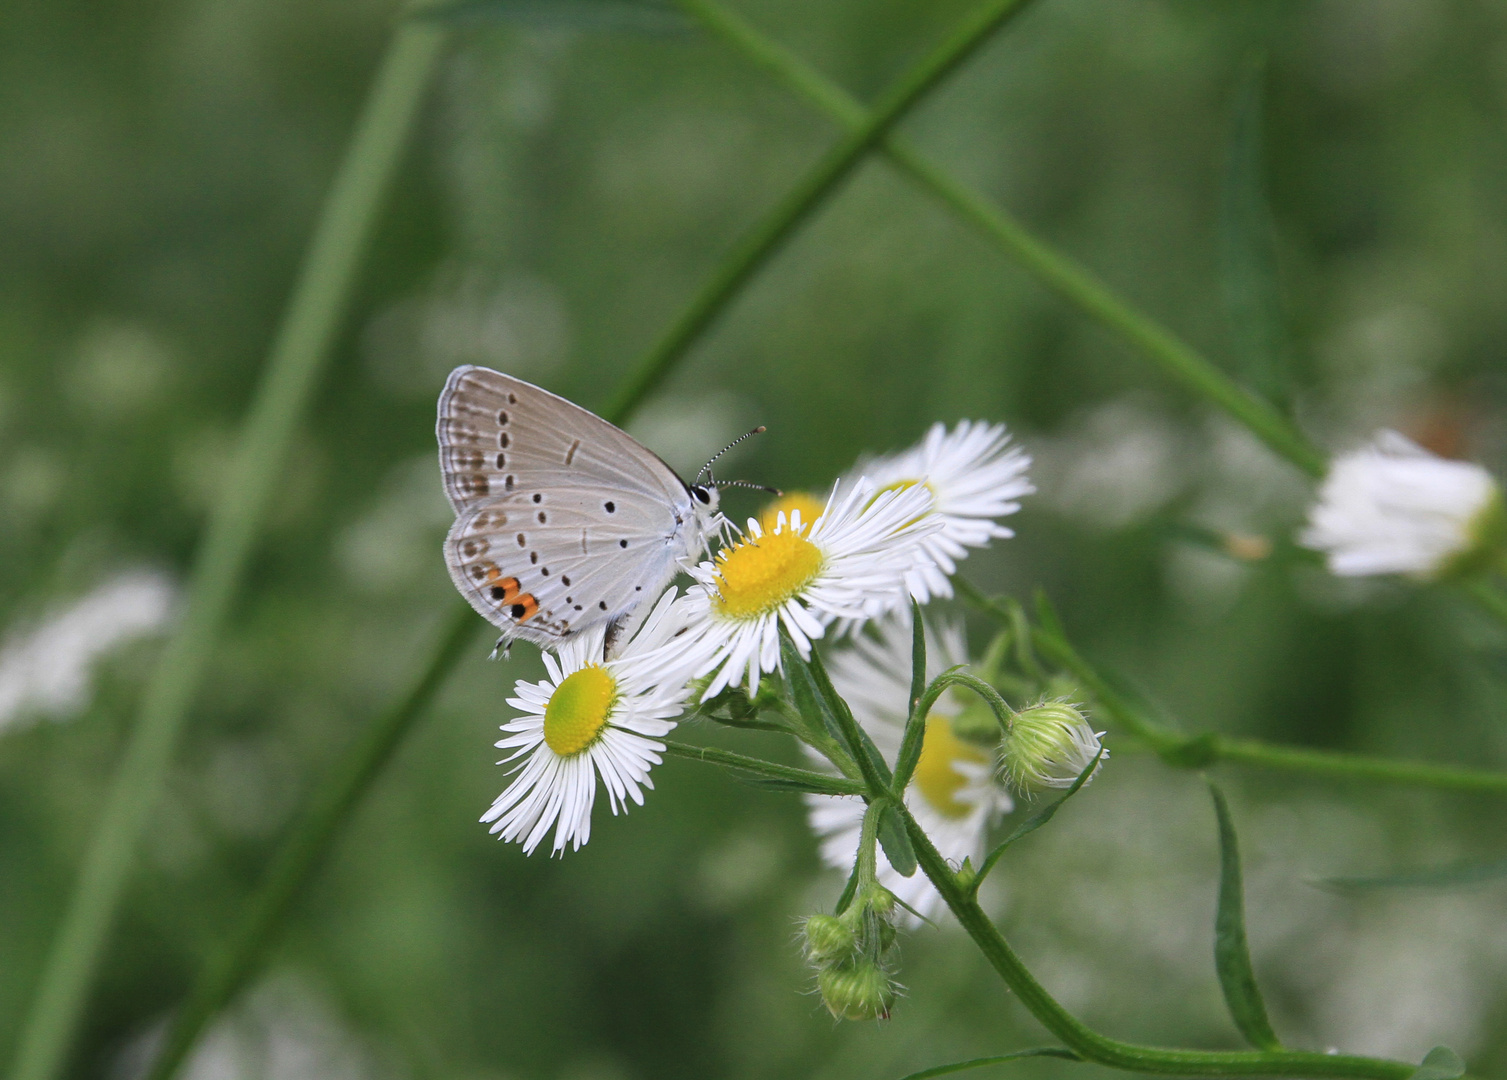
(707, 468)
(776, 492)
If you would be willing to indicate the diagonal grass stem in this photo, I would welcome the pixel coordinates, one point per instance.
(297, 358)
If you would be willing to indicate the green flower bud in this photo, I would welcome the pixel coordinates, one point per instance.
(1049, 745)
(828, 938)
(860, 991)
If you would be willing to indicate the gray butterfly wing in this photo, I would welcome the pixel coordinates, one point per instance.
(545, 566)
(564, 522)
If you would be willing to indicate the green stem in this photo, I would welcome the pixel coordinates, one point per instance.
(1206, 749)
(1092, 1046)
(758, 766)
(296, 360)
(1054, 269)
(765, 239)
(308, 842)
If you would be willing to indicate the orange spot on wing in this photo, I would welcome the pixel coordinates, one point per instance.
(527, 602)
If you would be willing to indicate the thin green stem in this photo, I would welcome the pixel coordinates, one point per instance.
(757, 246)
(1092, 1046)
(712, 755)
(915, 730)
(999, 1059)
(309, 840)
(1054, 269)
(1207, 749)
(293, 368)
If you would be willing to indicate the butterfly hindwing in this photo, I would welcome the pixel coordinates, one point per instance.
(544, 566)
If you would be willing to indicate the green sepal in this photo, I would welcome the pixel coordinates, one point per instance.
(895, 842)
(1440, 1063)
(1232, 956)
(641, 16)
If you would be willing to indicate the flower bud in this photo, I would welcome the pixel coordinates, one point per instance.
(1049, 746)
(859, 991)
(828, 938)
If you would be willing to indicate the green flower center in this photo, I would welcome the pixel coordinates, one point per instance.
(578, 709)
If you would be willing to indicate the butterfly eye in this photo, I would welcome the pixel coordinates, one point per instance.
(702, 495)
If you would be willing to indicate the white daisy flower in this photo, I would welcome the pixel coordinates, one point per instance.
(974, 476)
(592, 718)
(1392, 507)
(953, 795)
(851, 563)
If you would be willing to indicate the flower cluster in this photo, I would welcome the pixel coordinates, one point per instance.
(891, 532)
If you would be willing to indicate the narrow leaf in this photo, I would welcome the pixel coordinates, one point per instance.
(917, 655)
(780, 783)
(1035, 821)
(1456, 875)
(1441, 1063)
(637, 15)
(1232, 957)
(803, 691)
(896, 844)
(837, 709)
(978, 1063)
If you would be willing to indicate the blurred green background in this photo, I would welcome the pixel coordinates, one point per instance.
(1314, 193)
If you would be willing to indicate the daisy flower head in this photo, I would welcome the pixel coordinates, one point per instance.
(852, 563)
(953, 794)
(1392, 507)
(591, 719)
(974, 475)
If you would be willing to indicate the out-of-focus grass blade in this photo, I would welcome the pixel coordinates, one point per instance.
(1232, 957)
(1438, 877)
(979, 1063)
(896, 844)
(1248, 248)
(1441, 1063)
(643, 16)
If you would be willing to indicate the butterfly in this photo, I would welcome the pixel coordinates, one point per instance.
(563, 521)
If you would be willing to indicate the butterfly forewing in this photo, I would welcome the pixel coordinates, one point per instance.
(499, 434)
(563, 521)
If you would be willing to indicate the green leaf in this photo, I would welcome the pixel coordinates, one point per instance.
(1232, 957)
(896, 844)
(780, 783)
(917, 655)
(803, 691)
(837, 709)
(1440, 1063)
(1455, 875)
(637, 15)
(1035, 821)
(979, 1063)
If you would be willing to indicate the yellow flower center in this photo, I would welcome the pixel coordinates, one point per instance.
(577, 710)
(759, 574)
(810, 507)
(935, 778)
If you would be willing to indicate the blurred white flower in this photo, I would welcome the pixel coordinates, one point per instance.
(974, 476)
(953, 795)
(1392, 507)
(48, 669)
(592, 717)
